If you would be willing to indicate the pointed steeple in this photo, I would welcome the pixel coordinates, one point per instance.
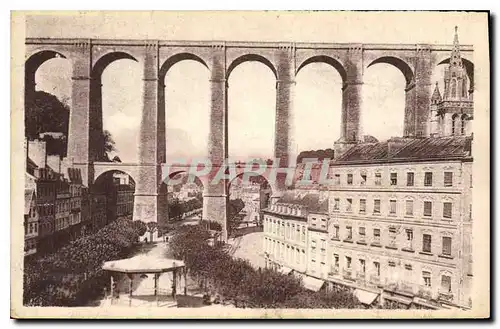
(455, 59)
(436, 95)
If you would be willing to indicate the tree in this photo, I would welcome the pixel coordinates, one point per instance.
(73, 275)
(151, 228)
(45, 113)
(234, 208)
(108, 145)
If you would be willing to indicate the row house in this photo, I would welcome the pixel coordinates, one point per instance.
(124, 189)
(295, 235)
(75, 189)
(30, 221)
(57, 194)
(408, 245)
(46, 182)
(62, 213)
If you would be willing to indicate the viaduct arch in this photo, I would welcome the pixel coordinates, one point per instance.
(89, 57)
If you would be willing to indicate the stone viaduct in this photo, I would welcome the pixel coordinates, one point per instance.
(89, 58)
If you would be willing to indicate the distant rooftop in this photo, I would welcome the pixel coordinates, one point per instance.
(312, 201)
(406, 149)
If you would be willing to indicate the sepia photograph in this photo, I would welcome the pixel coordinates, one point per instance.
(225, 164)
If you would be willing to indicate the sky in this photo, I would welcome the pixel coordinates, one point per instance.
(251, 98)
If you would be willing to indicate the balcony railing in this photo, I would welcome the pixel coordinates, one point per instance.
(445, 295)
(403, 286)
(424, 292)
(375, 279)
(333, 271)
(347, 273)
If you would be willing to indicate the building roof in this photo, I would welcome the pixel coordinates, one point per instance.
(312, 201)
(409, 149)
(28, 197)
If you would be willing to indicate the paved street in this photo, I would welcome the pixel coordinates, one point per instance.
(248, 247)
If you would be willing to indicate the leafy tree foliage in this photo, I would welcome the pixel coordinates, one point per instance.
(236, 281)
(73, 275)
(46, 113)
(234, 208)
(316, 154)
(177, 208)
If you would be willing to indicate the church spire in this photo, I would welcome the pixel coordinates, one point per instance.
(455, 59)
(436, 95)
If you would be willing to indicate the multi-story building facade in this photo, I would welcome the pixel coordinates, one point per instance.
(62, 213)
(295, 236)
(75, 189)
(46, 181)
(98, 215)
(318, 241)
(400, 220)
(30, 220)
(400, 212)
(124, 201)
(285, 234)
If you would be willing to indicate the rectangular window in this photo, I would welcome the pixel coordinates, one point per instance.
(426, 245)
(376, 235)
(394, 178)
(303, 234)
(446, 246)
(376, 206)
(448, 178)
(348, 207)
(336, 260)
(447, 209)
(363, 179)
(392, 263)
(428, 179)
(349, 232)
(409, 239)
(282, 229)
(362, 206)
(378, 179)
(428, 208)
(392, 236)
(323, 224)
(410, 179)
(409, 208)
(336, 204)
(392, 207)
(336, 231)
(362, 233)
(348, 262)
(362, 266)
(427, 278)
(376, 266)
(446, 283)
(337, 179)
(349, 179)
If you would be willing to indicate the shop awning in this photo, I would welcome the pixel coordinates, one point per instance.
(400, 299)
(285, 270)
(365, 297)
(312, 283)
